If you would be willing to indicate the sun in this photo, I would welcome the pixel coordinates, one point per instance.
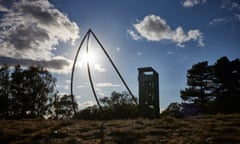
(89, 57)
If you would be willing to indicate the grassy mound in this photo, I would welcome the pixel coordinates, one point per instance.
(219, 129)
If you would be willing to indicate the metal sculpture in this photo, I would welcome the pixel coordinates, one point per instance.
(87, 37)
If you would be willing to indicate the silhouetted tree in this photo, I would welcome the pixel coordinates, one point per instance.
(90, 113)
(4, 91)
(117, 106)
(25, 93)
(173, 109)
(38, 86)
(214, 88)
(200, 85)
(18, 106)
(61, 106)
(227, 85)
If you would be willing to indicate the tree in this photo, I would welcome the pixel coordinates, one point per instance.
(200, 85)
(25, 93)
(38, 85)
(62, 106)
(173, 109)
(214, 88)
(117, 106)
(4, 92)
(227, 85)
(18, 97)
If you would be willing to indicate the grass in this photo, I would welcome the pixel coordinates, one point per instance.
(211, 129)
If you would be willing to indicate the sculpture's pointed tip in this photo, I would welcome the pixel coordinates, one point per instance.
(90, 30)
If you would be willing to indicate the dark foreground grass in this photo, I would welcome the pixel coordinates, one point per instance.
(211, 129)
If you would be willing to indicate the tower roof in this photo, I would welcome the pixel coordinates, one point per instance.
(147, 69)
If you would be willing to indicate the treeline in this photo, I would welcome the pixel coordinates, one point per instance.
(117, 106)
(30, 93)
(210, 89)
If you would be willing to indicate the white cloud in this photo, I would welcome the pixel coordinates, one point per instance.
(31, 30)
(191, 3)
(99, 68)
(86, 104)
(180, 37)
(154, 28)
(230, 5)
(107, 84)
(100, 92)
(217, 20)
(133, 34)
(233, 7)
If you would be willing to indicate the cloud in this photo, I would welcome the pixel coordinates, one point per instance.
(99, 68)
(217, 20)
(56, 64)
(233, 7)
(86, 104)
(107, 84)
(100, 92)
(133, 34)
(180, 37)
(154, 28)
(30, 30)
(191, 3)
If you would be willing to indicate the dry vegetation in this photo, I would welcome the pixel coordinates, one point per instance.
(202, 129)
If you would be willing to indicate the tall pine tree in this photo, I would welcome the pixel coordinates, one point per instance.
(227, 85)
(199, 81)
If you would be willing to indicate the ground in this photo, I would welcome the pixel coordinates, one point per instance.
(211, 129)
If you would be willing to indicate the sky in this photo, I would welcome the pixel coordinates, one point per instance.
(169, 36)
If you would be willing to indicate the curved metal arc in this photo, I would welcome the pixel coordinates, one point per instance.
(90, 77)
(114, 66)
(73, 69)
(87, 35)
